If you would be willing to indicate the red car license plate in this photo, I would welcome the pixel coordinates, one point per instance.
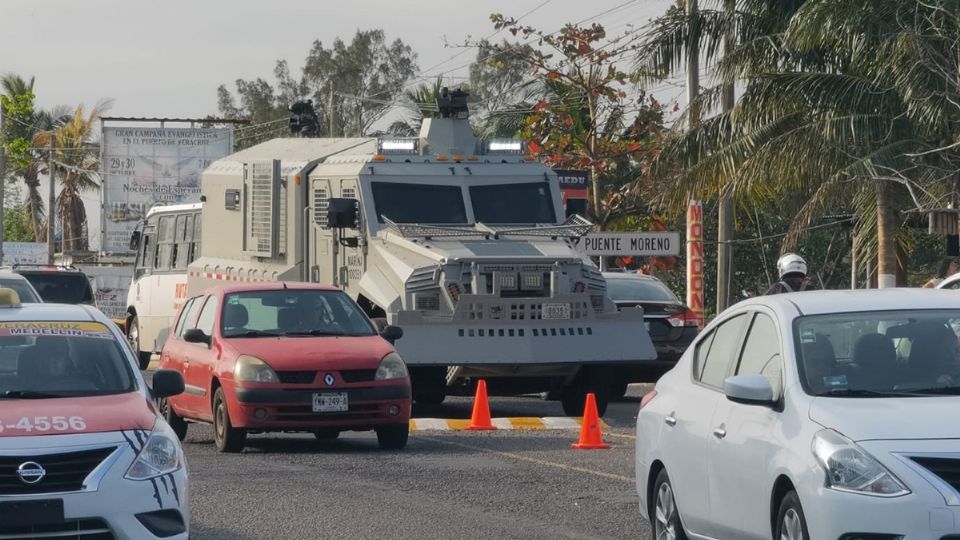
(330, 402)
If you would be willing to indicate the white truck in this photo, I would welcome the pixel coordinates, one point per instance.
(458, 241)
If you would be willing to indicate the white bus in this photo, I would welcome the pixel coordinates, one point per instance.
(166, 242)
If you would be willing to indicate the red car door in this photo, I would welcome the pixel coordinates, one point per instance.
(172, 355)
(200, 360)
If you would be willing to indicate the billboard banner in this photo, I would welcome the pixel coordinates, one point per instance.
(24, 253)
(144, 166)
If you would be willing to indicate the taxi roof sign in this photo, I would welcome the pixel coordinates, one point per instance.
(9, 298)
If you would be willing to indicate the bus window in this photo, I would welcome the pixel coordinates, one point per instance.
(146, 257)
(165, 241)
(184, 232)
(196, 238)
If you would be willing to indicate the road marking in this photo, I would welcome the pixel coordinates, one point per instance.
(517, 422)
(536, 461)
(620, 435)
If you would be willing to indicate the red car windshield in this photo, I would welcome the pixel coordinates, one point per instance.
(292, 312)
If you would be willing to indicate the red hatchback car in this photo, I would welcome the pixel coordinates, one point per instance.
(285, 357)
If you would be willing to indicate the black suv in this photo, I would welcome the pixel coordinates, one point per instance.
(58, 284)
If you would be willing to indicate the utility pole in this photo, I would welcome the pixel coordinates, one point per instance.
(694, 213)
(51, 206)
(3, 176)
(726, 208)
(331, 115)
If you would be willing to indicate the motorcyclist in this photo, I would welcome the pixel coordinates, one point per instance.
(792, 270)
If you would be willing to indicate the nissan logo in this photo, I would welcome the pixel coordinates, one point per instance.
(31, 472)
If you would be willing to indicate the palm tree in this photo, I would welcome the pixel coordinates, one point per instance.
(850, 105)
(39, 121)
(76, 167)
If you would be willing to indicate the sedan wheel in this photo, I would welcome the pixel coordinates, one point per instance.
(791, 523)
(666, 516)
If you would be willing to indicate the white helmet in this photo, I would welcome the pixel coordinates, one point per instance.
(791, 263)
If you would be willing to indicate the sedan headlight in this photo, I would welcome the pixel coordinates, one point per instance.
(253, 369)
(850, 468)
(391, 367)
(160, 455)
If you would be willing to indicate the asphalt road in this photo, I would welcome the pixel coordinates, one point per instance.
(445, 484)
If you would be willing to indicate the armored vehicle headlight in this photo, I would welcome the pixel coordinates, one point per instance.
(507, 282)
(391, 367)
(531, 281)
(504, 146)
(160, 455)
(253, 369)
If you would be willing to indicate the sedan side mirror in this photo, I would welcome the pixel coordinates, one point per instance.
(391, 333)
(749, 389)
(196, 335)
(167, 382)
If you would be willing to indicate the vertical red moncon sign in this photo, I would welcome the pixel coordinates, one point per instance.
(695, 260)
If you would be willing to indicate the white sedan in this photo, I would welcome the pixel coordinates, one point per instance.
(824, 415)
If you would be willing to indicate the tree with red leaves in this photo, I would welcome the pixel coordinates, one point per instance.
(592, 119)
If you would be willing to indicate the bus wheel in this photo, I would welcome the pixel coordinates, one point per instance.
(133, 336)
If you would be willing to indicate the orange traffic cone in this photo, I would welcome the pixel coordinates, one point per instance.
(590, 436)
(480, 420)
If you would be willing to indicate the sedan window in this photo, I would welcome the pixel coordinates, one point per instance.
(639, 289)
(723, 351)
(891, 353)
(761, 352)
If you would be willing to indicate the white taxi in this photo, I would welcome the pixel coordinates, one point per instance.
(83, 450)
(827, 414)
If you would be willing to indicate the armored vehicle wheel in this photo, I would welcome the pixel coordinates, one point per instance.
(574, 396)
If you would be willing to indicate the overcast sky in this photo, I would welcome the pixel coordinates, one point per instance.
(167, 58)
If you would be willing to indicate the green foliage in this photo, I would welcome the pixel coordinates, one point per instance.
(365, 74)
(842, 100)
(18, 111)
(16, 224)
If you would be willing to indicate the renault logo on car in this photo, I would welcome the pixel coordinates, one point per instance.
(30, 472)
(328, 378)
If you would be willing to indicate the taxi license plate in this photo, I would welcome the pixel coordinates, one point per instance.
(555, 311)
(25, 513)
(330, 402)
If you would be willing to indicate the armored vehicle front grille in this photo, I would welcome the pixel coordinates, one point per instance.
(421, 279)
(297, 377)
(76, 529)
(64, 472)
